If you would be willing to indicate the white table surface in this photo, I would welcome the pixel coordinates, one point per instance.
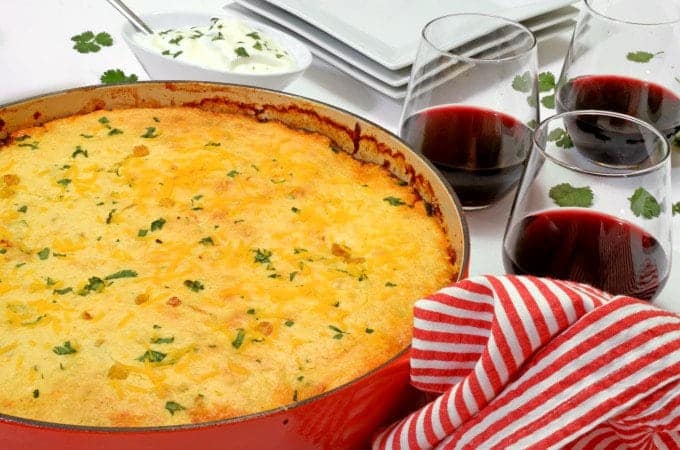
(38, 59)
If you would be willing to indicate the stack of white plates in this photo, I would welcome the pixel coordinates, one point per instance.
(375, 41)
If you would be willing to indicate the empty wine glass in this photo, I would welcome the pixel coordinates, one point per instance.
(471, 103)
(576, 219)
(625, 57)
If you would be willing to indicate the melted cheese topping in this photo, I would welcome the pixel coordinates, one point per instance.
(167, 266)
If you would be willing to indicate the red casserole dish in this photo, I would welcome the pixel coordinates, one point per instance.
(343, 418)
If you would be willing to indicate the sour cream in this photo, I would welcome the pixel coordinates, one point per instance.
(225, 44)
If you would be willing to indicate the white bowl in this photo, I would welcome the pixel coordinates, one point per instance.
(160, 67)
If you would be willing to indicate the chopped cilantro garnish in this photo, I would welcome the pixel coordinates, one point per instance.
(125, 273)
(173, 407)
(32, 145)
(150, 133)
(63, 291)
(255, 35)
(142, 232)
(369, 330)
(257, 46)
(233, 173)
(240, 51)
(213, 144)
(295, 210)
(44, 253)
(289, 323)
(152, 356)
(394, 201)
(206, 241)
(262, 255)
(157, 224)
(64, 349)
(338, 331)
(64, 181)
(676, 208)
(292, 275)
(94, 284)
(390, 284)
(194, 285)
(36, 393)
(115, 131)
(79, 151)
(298, 250)
(110, 216)
(238, 340)
(22, 209)
(160, 340)
(250, 311)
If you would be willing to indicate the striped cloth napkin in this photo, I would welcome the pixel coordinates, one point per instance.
(524, 362)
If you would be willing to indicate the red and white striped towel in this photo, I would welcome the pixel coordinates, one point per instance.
(524, 362)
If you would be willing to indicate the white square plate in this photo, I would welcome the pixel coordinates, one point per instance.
(390, 83)
(387, 31)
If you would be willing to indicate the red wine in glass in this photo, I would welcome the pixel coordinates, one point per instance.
(589, 247)
(480, 152)
(611, 141)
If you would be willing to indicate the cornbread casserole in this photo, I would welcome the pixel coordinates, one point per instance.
(174, 265)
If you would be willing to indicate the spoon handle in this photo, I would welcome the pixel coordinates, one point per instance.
(131, 16)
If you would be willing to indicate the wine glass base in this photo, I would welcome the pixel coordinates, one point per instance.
(475, 208)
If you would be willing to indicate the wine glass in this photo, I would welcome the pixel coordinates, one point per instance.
(605, 225)
(625, 57)
(471, 103)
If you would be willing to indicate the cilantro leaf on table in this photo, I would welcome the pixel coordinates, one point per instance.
(676, 208)
(522, 83)
(561, 138)
(642, 203)
(88, 42)
(548, 101)
(641, 56)
(567, 195)
(104, 39)
(115, 76)
(546, 82)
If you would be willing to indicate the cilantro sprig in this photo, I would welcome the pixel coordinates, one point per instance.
(88, 42)
(524, 83)
(641, 56)
(547, 83)
(561, 138)
(642, 203)
(117, 76)
(567, 195)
